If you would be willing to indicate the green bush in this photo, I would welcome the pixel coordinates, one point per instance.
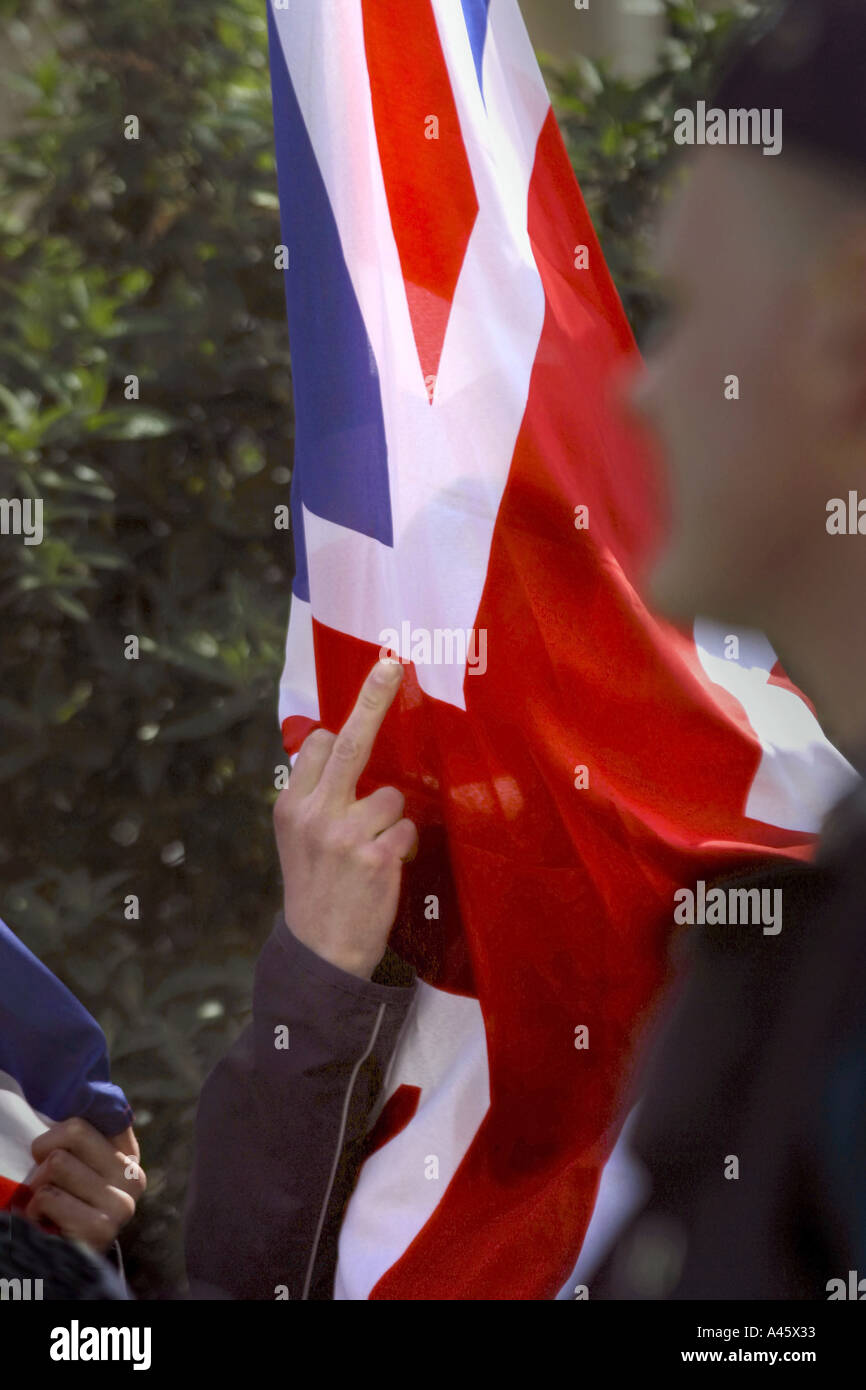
(154, 257)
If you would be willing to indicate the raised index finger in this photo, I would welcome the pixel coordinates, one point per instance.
(354, 743)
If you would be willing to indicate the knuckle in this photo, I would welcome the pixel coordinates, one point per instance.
(375, 857)
(312, 824)
(404, 840)
(126, 1208)
(346, 748)
(57, 1163)
(392, 797)
(76, 1128)
(312, 744)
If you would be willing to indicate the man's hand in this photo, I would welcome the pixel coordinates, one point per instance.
(342, 858)
(86, 1185)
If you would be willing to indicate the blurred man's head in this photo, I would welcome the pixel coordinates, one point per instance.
(756, 389)
(764, 262)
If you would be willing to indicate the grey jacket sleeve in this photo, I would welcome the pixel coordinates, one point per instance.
(281, 1124)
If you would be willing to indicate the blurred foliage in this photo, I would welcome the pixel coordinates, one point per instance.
(619, 135)
(151, 776)
(154, 257)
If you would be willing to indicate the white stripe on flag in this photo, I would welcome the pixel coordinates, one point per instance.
(299, 691)
(443, 1050)
(20, 1124)
(800, 775)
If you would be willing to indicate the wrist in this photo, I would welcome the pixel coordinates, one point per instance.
(359, 964)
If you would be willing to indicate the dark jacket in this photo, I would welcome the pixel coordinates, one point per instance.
(762, 1061)
(280, 1130)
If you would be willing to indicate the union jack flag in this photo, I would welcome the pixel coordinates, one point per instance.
(53, 1064)
(465, 495)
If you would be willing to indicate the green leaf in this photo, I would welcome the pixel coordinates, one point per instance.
(72, 607)
(134, 423)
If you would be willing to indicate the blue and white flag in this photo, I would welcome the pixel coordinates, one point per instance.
(53, 1064)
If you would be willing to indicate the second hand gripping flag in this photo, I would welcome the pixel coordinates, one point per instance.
(53, 1065)
(464, 497)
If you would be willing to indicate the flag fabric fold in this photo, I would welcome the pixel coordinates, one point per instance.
(466, 496)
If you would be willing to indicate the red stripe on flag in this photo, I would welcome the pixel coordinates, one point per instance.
(428, 182)
(395, 1115)
(14, 1196)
